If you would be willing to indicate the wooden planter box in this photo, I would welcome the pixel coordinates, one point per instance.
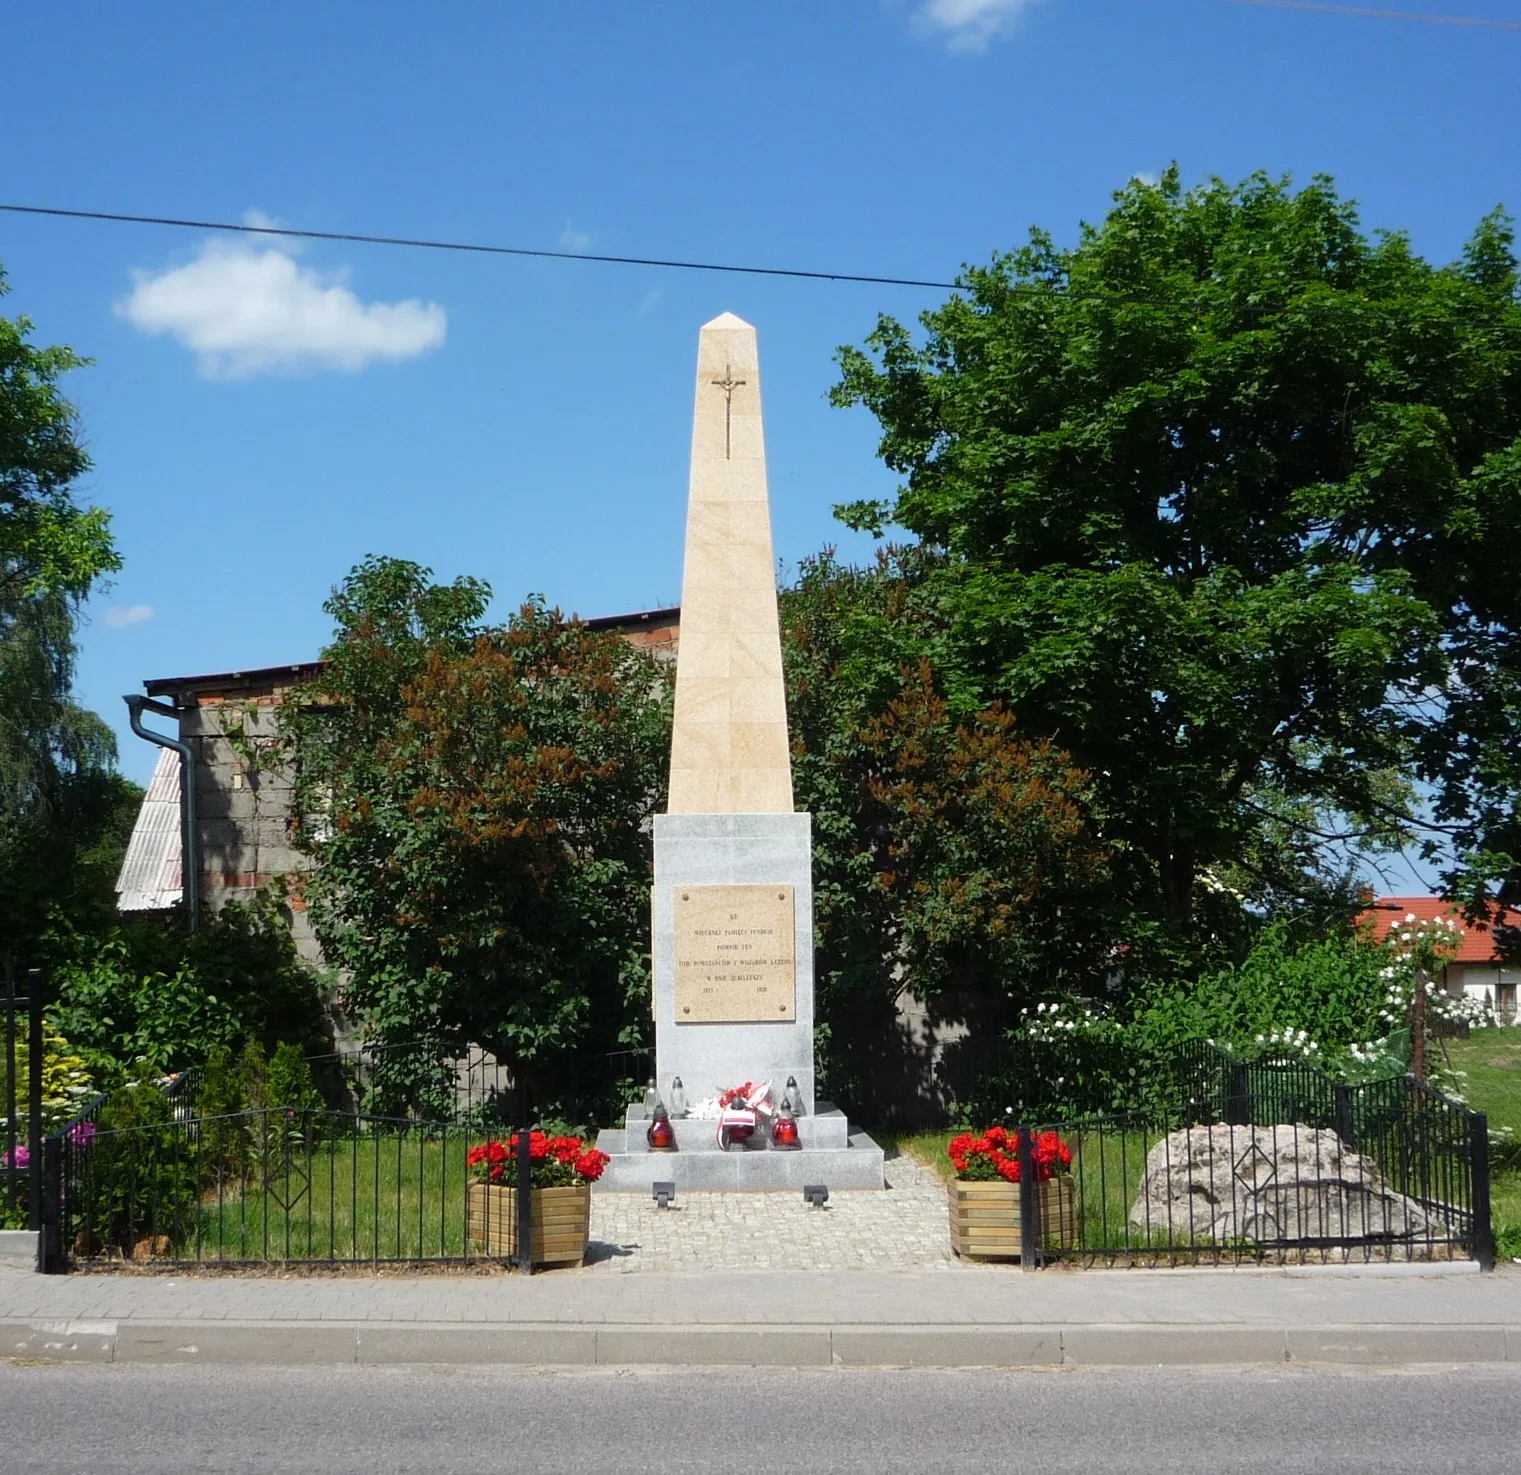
(985, 1217)
(561, 1221)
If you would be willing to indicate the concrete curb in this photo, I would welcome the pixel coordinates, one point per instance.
(18, 1249)
(289, 1343)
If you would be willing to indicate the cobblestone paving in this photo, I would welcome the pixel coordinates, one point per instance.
(901, 1228)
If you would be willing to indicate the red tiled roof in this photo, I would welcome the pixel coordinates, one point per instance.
(1478, 942)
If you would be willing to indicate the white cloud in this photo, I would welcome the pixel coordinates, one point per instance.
(1145, 176)
(246, 311)
(291, 245)
(651, 298)
(572, 239)
(128, 614)
(970, 25)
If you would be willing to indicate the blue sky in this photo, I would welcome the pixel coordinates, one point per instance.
(258, 423)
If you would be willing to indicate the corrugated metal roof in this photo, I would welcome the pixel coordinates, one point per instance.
(151, 876)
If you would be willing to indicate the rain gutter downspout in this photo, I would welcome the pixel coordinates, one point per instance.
(189, 861)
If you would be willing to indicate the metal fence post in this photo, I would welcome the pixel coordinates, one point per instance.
(1238, 1096)
(10, 1084)
(1478, 1161)
(50, 1235)
(34, 1097)
(525, 1200)
(1342, 1108)
(1029, 1202)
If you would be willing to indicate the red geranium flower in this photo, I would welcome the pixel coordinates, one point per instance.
(557, 1162)
(995, 1155)
(591, 1163)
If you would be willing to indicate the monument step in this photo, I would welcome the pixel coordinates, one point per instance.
(857, 1165)
(826, 1128)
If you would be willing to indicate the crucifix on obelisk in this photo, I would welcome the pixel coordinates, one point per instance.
(729, 748)
(728, 384)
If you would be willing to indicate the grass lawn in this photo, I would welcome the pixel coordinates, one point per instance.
(376, 1196)
(924, 1147)
(1488, 1067)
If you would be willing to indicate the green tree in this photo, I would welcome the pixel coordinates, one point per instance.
(1318, 997)
(253, 1076)
(953, 858)
(1472, 756)
(477, 799)
(142, 1175)
(289, 1082)
(62, 810)
(220, 1105)
(143, 991)
(1220, 500)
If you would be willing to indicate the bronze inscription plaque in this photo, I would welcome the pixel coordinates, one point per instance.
(735, 954)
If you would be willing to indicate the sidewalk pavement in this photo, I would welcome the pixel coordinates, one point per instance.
(980, 1316)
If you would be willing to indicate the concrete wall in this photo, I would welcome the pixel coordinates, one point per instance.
(243, 803)
(1486, 984)
(243, 796)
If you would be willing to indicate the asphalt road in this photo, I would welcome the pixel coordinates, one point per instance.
(102, 1419)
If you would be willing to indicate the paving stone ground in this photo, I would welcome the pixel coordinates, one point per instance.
(904, 1227)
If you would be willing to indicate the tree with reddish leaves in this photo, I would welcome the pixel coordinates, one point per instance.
(958, 867)
(478, 799)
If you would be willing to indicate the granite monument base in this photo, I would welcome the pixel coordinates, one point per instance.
(707, 850)
(833, 1153)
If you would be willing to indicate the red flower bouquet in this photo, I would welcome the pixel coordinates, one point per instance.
(995, 1155)
(558, 1162)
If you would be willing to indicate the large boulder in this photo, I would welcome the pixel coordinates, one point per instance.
(1270, 1185)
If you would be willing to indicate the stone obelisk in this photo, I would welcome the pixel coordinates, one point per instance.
(733, 903)
(729, 752)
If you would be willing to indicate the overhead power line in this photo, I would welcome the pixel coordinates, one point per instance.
(1048, 294)
(484, 250)
(1364, 10)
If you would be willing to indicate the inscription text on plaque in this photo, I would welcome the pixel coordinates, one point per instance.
(735, 954)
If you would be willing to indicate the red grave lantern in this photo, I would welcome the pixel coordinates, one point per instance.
(784, 1132)
(661, 1135)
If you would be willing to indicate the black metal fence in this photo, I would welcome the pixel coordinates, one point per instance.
(344, 1186)
(1221, 1159)
(20, 1189)
(261, 1186)
(380, 1175)
(1271, 1160)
